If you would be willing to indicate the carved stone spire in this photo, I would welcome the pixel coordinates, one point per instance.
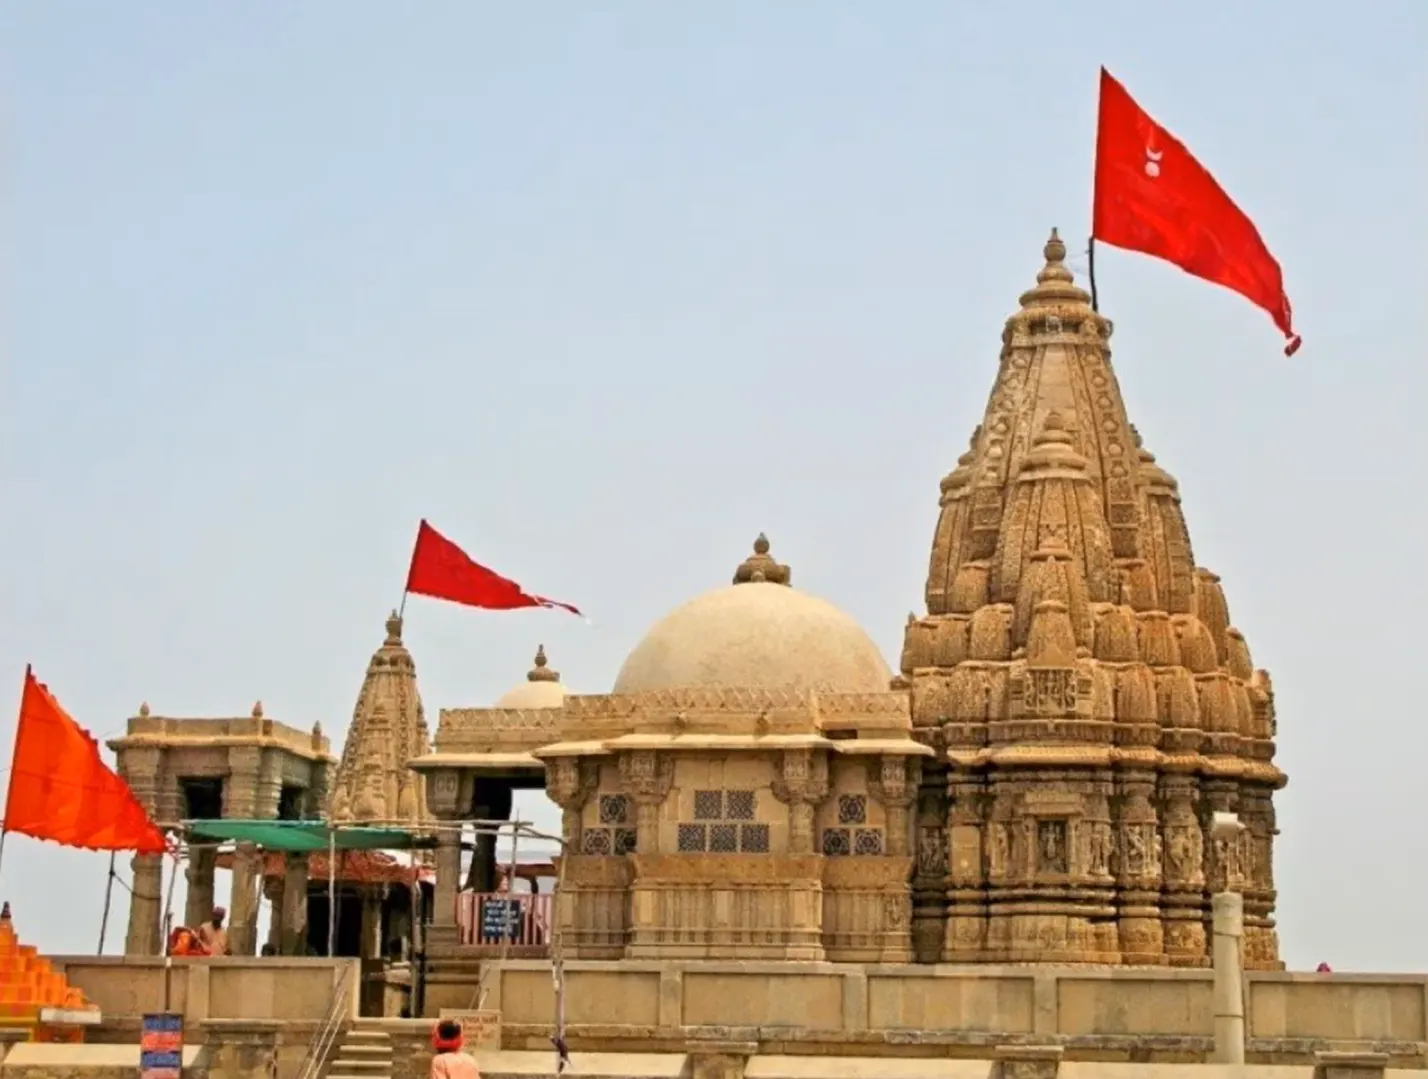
(1076, 663)
(760, 566)
(388, 730)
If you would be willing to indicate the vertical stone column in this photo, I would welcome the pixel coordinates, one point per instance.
(894, 781)
(1137, 867)
(243, 905)
(293, 911)
(1182, 872)
(1228, 914)
(444, 800)
(199, 906)
(647, 778)
(569, 782)
(142, 769)
(802, 785)
(1257, 865)
(273, 889)
(966, 938)
(929, 881)
(372, 943)
(146, 906)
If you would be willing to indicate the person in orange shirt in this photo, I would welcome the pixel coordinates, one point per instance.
(183, 941)
(450, 1062)
(212, 933)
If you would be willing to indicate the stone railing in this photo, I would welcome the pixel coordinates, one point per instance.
(1106, 1013)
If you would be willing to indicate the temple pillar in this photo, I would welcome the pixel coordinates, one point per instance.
(273, 890)
(929, 881)
(646, 778)
(964, 867)
(243, 905)
(199, 906)
(801, 783)
(371, 946)
(292, 912)
(146, 906)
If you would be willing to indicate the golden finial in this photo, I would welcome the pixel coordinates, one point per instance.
(1054, 284)
(1055, 250)
(760, 566)
(144, 710)
(394, 628)
(257, 709)
(540, 672)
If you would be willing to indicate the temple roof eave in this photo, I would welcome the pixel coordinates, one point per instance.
(432, 762)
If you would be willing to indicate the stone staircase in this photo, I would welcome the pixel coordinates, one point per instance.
(365, 1052)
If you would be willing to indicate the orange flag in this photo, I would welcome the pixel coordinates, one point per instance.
(61, 789)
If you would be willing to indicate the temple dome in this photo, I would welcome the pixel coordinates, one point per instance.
(541, 689)
(757, 633)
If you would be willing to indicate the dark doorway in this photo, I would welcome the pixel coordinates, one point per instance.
(349, 922)
(292, 803)
(202, 798)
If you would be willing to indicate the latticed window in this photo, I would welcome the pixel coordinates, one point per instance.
(614, 809)
(616, 833)
(838, 842)
(717, 828)
(852, 809)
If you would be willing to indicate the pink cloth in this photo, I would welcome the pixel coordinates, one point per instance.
(454, 1066)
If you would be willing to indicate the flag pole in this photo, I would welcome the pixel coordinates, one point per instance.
(14, 752)
(108, 898)
(1091, 272)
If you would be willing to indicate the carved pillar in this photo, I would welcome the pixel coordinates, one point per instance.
(929, 881)
(293, 912)
(802, 785)
(1261, 938)
(569, 782)
(146, 906)
(1182, 873)
(199, 906)
(966, 868)
(443, 798)
(1137, 869)
(243, 906)
(646, 778)
(893, 781)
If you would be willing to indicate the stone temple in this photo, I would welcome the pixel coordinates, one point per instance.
(767, 830)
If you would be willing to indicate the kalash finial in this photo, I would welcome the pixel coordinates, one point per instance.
(540, 672)
(394, 628)
(760, 566)
(1054, 284)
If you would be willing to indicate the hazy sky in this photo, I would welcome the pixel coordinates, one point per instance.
(605, 289)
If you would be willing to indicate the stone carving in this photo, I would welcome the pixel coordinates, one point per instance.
(373, 781)
(1071, 645)
(802, 785)
(647, 777)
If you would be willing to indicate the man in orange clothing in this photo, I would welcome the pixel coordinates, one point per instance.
(212, 933)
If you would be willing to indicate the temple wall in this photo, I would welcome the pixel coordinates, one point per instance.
(916, 1010)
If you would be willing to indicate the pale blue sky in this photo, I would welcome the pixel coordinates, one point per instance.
(606, 289)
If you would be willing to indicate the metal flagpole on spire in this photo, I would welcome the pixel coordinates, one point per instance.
(1091, 272)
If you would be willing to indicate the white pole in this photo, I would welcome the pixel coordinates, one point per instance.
(1228, 926)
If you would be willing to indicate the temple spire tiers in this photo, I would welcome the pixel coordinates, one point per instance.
(1081, 678)
(374, 781)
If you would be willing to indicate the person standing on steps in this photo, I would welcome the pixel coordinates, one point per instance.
(450, 1062)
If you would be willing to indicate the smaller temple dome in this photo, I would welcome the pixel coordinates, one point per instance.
(541, 689)
(757, 633)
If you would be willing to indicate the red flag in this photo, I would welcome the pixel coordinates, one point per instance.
(61, 789)
(442, 570)
(1152, 196)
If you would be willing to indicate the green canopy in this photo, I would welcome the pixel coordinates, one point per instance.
(303, 836)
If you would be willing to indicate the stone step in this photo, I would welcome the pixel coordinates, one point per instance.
(367, 1034)
(370, 1066)
(366, 1049)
